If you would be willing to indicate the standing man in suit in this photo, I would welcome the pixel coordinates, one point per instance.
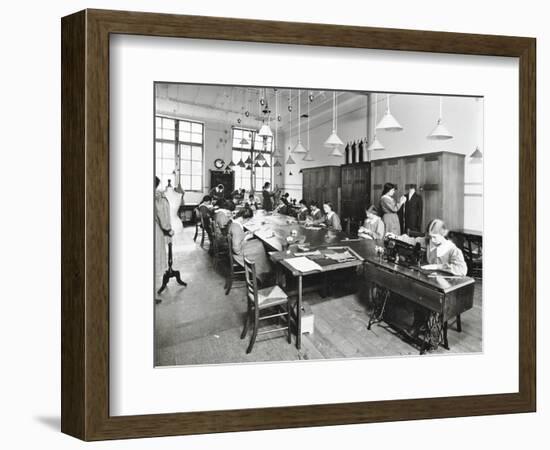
(412, 214)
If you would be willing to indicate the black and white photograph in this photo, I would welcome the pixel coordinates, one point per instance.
(295, 224)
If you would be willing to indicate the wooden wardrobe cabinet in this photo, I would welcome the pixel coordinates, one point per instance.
(439, 178)
(322, 184)
(356, 185)
(225, 178)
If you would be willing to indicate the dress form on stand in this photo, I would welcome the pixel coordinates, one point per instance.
(174, 199)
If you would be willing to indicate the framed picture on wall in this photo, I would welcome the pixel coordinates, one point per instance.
(325, 215)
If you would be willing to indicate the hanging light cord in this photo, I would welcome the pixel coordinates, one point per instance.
(335, 114)
(299, 117)
(308, 125)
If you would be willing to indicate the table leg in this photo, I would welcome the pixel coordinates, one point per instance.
(299, 315)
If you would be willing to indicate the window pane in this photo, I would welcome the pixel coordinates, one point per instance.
(196, 183)
(168, 150)
(158, 149)
(196, 128)
(196, 154)
(237, 133)
(169, 135)
(185, 152)
(186, 183)
(196, 168)
(186, 167)
(185, 136)
(158, 167)
(168, 165)
(196, 138)
(185, 126)
(169, 123)
(158, 122)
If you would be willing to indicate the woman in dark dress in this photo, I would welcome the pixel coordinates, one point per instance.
(267, 197)
(389, 208)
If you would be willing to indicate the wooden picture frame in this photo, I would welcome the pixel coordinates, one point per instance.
(85, 224)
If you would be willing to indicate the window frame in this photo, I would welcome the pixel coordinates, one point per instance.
(177, 143)
(250, 152)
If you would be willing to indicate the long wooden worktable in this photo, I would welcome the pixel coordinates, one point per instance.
(441, 295)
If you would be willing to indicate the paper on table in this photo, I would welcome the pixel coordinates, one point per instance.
(303, 264)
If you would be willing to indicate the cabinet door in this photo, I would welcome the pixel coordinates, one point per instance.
(378, 176)
(431, 188)
(412, 172)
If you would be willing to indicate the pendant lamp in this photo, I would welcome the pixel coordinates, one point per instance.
(308, 156)
(257, 164)
(375, 145)
(477, 157)
(299, 148)
(440, 132)
(265, 131)
(277, 163)
(388, 122)
(248, 160)
(265, 164)
(333, 139)
(290, 160)
(231, 164)
(241, 163)
(276, 152)
(260, 157)
(336, 151)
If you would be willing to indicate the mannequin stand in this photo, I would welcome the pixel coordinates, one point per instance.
(170, 273)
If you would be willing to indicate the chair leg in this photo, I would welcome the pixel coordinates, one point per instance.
(289, 337)
(254, 331)
(458, 324)
(246, 321)
(196, 232)
(229, 282)
(202, 238)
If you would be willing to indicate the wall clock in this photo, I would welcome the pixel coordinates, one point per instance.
(218, 163)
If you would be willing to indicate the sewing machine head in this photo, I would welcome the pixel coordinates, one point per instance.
(402, 253)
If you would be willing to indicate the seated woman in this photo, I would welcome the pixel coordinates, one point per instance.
(441, 253)
(316, 216)
(244, 245)
(332, 221)
(373, 228)
(252, 202)
(223, 215)
(303, 212)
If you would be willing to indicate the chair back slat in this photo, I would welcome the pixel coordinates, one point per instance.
(251, 282)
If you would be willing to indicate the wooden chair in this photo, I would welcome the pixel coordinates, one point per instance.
(260, 299)
(235, 270)
(206, 233)
(218, 244)
(197, 218)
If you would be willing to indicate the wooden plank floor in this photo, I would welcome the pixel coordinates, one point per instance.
(199, 324)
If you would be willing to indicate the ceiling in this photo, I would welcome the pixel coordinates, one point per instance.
(230, 104)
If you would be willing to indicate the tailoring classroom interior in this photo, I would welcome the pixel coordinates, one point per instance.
(249, 273)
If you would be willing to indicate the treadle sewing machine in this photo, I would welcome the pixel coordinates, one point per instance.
(439, 297)
(402, 253)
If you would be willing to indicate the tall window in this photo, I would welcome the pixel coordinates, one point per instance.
(249, 148)
(191, 139)
(179, 150)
